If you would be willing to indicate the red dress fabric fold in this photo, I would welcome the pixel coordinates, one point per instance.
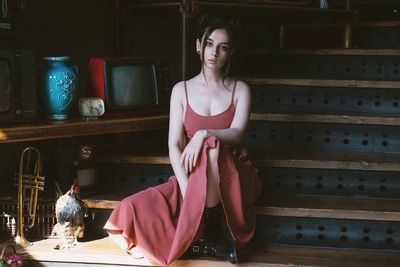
(163, 226)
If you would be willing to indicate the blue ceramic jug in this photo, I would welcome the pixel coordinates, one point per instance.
(58, 86)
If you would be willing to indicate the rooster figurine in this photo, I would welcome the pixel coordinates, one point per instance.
(70, 214)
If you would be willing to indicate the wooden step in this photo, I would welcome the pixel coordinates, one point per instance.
(326, 52)
(349, 208)
(301, 256)
(101, 251)
(268, 158)
(105, 251)
(371, 24)
(322, 82)
(325, 160)
(300, 115)
(299, 206)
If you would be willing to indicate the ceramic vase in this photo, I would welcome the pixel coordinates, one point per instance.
(58, 85)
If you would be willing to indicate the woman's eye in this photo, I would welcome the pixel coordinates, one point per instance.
(209, 44)
(224, 48)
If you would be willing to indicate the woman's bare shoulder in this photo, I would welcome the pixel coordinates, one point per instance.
(178, 88)
(242, 87)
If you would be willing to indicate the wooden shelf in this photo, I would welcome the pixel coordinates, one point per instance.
(322, 82)
(79, 127)
(327, 52)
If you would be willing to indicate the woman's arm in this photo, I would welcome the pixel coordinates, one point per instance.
(176, 136)
(235, 133)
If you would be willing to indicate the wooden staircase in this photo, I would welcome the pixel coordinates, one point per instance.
(324, 134)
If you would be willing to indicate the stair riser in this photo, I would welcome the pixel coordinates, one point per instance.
(325, 182)
(337, 66)
(326, 99)
(298, 137)
(333, 233)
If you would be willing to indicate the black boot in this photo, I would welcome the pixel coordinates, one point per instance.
(216, 240)
(211, 220)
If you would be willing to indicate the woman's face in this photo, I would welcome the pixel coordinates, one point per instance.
(217, 50)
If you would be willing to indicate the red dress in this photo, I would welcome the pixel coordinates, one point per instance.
(164, 226)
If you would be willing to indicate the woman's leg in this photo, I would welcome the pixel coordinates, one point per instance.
(213, 195)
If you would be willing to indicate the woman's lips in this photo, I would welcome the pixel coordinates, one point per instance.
(212, 61)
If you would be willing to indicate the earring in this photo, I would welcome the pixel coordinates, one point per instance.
(198, 51)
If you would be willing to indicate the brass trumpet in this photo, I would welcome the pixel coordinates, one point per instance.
(28, 179)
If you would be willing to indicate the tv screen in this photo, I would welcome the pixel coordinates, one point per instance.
(128, 84)
(132, 85)
(5, 85)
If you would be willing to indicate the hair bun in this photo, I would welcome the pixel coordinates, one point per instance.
(235, 24)
(203, 20)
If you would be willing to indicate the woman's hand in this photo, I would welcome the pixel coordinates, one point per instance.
(192, 150)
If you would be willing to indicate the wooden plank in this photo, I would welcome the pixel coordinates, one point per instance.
(392, 23)
(320, 256)
(351, 208)
(322, 82)
(105, 251)
(324, 118)
(267, 158)
(329, 214)
(327, 52)
(78, 127)
(327, 164)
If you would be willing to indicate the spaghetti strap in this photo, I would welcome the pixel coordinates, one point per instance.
(233, 91)
(187, 100)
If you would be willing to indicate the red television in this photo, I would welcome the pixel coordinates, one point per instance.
(126, 84)
(17, 85)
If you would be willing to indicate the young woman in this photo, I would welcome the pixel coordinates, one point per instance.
(207, 208)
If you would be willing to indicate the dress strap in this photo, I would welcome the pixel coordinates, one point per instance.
(187, 99)
(233, 91)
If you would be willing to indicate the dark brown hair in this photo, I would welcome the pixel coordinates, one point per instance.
(207, 25)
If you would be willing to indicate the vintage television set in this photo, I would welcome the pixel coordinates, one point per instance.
(127, 84)
(17, 85)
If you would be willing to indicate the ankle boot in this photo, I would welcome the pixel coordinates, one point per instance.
(211, 220)
(208, 244)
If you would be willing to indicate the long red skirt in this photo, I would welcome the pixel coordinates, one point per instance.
(163, 226)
